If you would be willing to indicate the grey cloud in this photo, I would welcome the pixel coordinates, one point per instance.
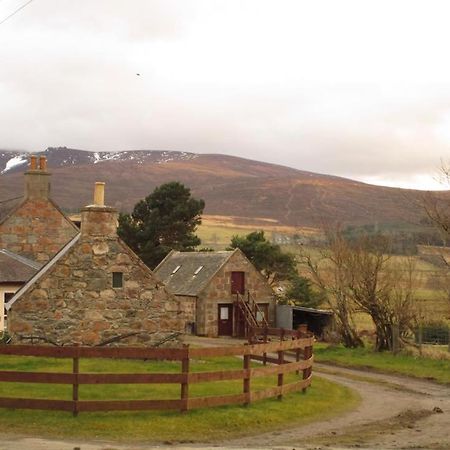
(68, 77)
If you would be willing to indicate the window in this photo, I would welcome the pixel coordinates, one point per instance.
(224, 313)
(117, 279)
(198, 270)
(176, 269)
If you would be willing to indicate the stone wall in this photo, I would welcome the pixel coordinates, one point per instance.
(219, 291)
(188, 305)
(75, 302)
(36, 230)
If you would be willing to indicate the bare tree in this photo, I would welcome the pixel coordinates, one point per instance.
(382, 288)
(328, 273)
(359, 275)
(437, 208)
(437, 204)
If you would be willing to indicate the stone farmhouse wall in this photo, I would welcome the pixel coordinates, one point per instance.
(75, 301)
(36, 230)
(219, 291)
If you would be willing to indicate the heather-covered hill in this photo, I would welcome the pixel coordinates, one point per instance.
(231, 186)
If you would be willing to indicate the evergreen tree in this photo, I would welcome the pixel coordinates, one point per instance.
(166, 219)
(301, 293)
(265, 256)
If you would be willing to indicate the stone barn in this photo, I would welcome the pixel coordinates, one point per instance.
(95, 291)
(33, 226)
(224, 292)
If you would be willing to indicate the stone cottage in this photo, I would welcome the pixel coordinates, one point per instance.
(34, 226)
(95, 291)
(214, 287)
(15, 271)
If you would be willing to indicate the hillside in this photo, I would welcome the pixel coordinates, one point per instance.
(231, 186)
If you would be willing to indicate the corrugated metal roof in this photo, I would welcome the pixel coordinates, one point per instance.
(16, 268)
(312, 310)
(178, 270)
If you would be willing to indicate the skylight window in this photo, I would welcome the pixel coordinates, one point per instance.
(198, 270)
(176, 269)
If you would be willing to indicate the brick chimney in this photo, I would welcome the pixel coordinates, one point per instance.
(37, 179)
(98, 220)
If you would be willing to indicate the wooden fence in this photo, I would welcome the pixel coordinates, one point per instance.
(296, 344)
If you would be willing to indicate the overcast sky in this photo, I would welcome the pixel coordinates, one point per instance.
(356, 88)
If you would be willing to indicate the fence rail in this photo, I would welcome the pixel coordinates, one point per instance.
(299, 344)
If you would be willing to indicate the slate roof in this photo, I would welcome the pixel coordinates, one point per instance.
(42, 270)
(8, 206)
(15, 268)
(185, 280)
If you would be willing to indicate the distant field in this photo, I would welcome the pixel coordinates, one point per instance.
(430, 299)
(217, 231)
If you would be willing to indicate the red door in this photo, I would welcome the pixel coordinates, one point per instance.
(225, 318)
(238, 282)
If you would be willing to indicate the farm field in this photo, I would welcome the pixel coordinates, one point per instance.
(323, 399)
(430, 299)
(216, 232)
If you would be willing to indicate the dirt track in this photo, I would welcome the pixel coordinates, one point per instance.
(395, 413)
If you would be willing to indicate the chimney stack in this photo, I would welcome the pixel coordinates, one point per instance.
(99, 193)
(37, 179)
(98, 220)
(43, 163)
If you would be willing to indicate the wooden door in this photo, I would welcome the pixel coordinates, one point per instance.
(238, 282)
(225, 319)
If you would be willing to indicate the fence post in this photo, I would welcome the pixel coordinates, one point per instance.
(185, 384)
(449, 339)
(280, 363)
(395, 331)
(307, 353)
(246, 379)
(420, 337)
(297, 350)
(75, 371)
(266, 332)
(250, 334)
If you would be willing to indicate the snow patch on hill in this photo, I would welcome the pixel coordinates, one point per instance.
(62, 156)
(13, 162)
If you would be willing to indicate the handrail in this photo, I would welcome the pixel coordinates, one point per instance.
(258, 310)
(247, 312)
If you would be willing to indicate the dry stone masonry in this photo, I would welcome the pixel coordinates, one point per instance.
(96, 290)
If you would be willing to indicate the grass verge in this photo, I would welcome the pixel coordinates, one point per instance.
(418, 367)
(324, 399)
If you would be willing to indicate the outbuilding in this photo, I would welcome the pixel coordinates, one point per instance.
(318, 320)
(223, 291)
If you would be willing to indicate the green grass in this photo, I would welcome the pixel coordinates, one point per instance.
(323, 399)
(427, 368)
